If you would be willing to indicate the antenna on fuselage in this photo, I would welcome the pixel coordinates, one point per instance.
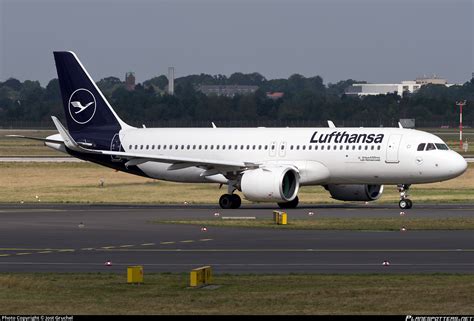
(331, 124)
(213, 125)
(400, 125)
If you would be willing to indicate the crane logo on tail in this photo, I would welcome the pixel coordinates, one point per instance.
(82, 106)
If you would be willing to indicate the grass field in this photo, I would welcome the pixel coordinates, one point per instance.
(326, 223)
(79, 183)
(104, 293)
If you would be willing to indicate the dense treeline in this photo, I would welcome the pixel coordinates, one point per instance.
(305, 99)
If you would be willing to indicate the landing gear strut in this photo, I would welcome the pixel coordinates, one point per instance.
(290, 204)
(228, 201)
(405, 202)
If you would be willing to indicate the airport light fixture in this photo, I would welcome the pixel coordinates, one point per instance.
(460, 104)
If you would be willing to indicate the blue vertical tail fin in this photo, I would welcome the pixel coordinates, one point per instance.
(89, 116)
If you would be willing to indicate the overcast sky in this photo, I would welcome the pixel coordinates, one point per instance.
(372, 40)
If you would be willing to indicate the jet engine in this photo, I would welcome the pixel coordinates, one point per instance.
(361, 192)
(276, 183)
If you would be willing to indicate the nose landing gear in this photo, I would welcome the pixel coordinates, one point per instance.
(405, 202)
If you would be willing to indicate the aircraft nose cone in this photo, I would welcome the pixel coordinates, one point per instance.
(458, 165)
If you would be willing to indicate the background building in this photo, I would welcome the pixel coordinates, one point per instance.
(227, 90)
(130, 80)
(406, 86)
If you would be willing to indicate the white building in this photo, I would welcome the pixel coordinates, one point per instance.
(409, 86)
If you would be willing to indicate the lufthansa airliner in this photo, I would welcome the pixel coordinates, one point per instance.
(264, 164)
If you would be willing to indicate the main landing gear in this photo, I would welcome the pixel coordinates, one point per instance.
(290, 204)
(405, 202)
(228, 201)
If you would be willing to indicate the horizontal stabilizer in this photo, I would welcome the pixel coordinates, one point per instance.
(46, 140)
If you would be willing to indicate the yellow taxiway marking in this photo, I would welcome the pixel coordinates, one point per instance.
(297, 250)
(187, 241)
(107, 247)
(147, 244)
(128, 245)
(44, 252)
(23, 253)
(27, 249)
(4, 254)
(167, 242)
(66, 250)
(205, 240)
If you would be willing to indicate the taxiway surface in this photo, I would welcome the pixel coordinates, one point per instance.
(51, 238)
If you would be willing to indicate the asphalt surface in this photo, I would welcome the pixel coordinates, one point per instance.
(51, 238)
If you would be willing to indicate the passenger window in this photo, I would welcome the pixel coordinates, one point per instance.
(259, 147)
(194, 146)
(304, 147)
(360, 147)
(421, 147)
(372, 147)
(310, 147)
(241, 146)
(329, 147)
(297, 147)
(378, 147)
(188, 146)
(316, 147)
(273, 147)
(291, 147)
(282, 147)
(253, 147)
(322, 147)
(205, 146)
(347, 147)
(152, 146)
(182, 146)
(341, 147)
(230, 146)
(266, 147)
(212, 146)
(335, 147)
(217, 146)
(164, 146)
(200, 147)
(366, 147)
(223, 146)
(176, 147)
(430, 147)
(236, 147)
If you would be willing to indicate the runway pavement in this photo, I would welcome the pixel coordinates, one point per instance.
(39, 238)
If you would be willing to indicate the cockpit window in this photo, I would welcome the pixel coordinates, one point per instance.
(430, 147)
(421, 147)
(442, 146)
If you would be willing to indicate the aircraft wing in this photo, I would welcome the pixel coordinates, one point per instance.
(137, 158)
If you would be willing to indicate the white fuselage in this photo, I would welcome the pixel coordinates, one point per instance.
(360, 156)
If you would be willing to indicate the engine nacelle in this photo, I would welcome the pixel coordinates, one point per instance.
(361, 192)
(277, 183)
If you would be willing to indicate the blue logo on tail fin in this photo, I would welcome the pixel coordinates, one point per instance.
(80, 113)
